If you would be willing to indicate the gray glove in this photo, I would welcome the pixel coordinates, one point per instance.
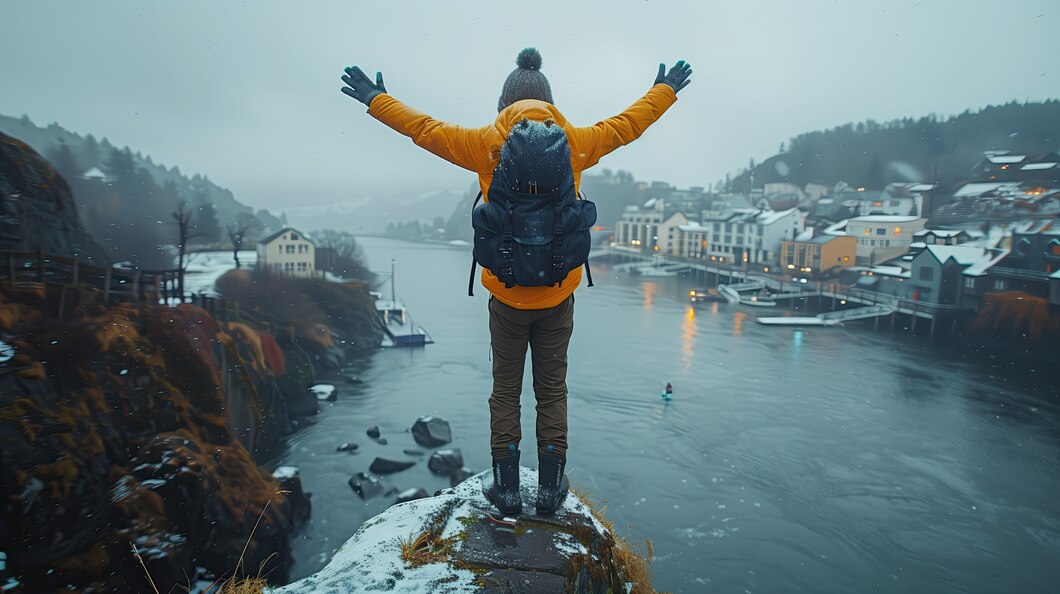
(677, 78)
(360, 87)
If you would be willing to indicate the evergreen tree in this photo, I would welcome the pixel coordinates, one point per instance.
(64, 161)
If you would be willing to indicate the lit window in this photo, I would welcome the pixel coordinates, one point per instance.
(897, 230)
(867, 231)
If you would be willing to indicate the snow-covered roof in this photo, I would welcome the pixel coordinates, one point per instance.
(769, 217)
(650, 203)
(837, 228)
(980, 268)
(962, 254)
(94, 173)
(939, 232)
(884, 219)
(1037, 166)
(918, 244)
(1006, 159)
(805, 235)
(979, 188)
(693, 228)
(1055, 275)
(274, 236)
(895, 271)
(825, 201)
(922, 187)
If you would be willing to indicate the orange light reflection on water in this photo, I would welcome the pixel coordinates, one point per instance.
(688, 336)
(737, 323)
(649, 294)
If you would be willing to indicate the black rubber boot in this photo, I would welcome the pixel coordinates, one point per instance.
(503, 489)
(552, 484)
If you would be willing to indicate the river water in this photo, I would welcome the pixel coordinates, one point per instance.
(813, 460)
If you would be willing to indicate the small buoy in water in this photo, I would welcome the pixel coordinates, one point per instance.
(668, 393)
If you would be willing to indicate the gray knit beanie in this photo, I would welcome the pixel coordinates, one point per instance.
(526, 81)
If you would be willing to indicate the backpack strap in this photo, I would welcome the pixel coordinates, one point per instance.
(507, 272)
(588, 273)
(557, 274)
(471, 281)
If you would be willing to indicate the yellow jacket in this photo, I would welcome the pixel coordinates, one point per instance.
(478, 149)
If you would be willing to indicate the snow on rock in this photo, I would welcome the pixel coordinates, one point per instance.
(285, 472)
(324, 392)
(571, 551)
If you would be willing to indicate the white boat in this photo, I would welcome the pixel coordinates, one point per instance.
(398, 327)
(758, 301)
(729, 293)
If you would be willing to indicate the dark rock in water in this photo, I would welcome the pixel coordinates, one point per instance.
(431, 432)
(373, 432)
(411, 494)
(388, 466)
(390, 491)
(413, 452)
(353, 380)
(347, 447)
(382, 441)
(300, 402)
(460, 475)
(365, 486)
(446, 461)
(291, 481)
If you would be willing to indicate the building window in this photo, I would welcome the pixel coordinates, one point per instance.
(881, 231)
(926, 273)
(290, 248)
(867, 231)
(999, 284)
(897, 230)
(1054, 247)
(969, 282)
(279, 248)
(1023, 246)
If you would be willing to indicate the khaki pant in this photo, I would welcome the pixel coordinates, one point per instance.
(547, 332)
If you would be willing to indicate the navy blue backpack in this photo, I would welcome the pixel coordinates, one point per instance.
(533, 230)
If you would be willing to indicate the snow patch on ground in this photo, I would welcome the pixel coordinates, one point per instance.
(371, 560)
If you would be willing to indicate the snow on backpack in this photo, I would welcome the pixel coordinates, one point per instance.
(534, 229)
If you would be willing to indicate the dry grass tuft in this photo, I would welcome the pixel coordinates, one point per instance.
(234, 584)
(253, 585)
(425, 549)
(634, 565)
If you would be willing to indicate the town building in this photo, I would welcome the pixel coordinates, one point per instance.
(819, 255)
(639, 226)
(937, 273)
(289, 252)
(882, 237)
(751, 236)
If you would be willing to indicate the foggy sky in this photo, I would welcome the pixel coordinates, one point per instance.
(248, 93)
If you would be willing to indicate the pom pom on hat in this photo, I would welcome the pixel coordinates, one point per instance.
(529, 59)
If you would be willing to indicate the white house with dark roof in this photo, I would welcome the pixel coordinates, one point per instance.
(289, 252)
(882, 237)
